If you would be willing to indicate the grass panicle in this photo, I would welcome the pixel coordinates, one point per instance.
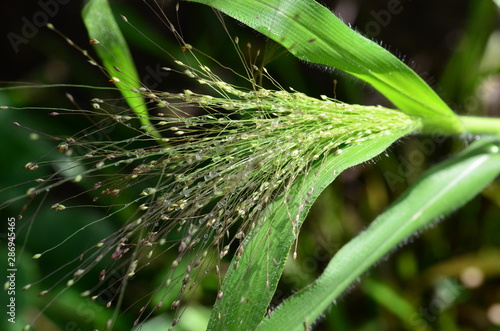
(221, 161)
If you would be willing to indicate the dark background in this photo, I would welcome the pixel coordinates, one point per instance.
(453, 45)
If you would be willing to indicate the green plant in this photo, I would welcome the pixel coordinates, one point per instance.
(241, 176)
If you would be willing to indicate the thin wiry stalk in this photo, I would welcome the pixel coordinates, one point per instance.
(221, 161)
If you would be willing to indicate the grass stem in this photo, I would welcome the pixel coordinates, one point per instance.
(481, 125)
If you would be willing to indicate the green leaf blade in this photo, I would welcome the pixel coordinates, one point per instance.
(440, 190)
(312, 33)
(114, 53)
(247, 291)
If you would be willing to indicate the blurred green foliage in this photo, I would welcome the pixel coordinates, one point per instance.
(453, 44)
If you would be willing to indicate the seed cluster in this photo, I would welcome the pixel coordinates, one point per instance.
(207, 182)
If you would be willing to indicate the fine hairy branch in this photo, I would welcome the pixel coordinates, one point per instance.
(202, 190)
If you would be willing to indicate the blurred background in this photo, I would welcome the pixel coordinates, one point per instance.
(447, 278)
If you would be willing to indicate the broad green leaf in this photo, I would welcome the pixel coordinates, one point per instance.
(248, 288)
(440, 191)
(115, 55)
(314, 34)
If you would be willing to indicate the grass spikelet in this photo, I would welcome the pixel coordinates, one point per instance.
(189, 196)
(220, 171)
